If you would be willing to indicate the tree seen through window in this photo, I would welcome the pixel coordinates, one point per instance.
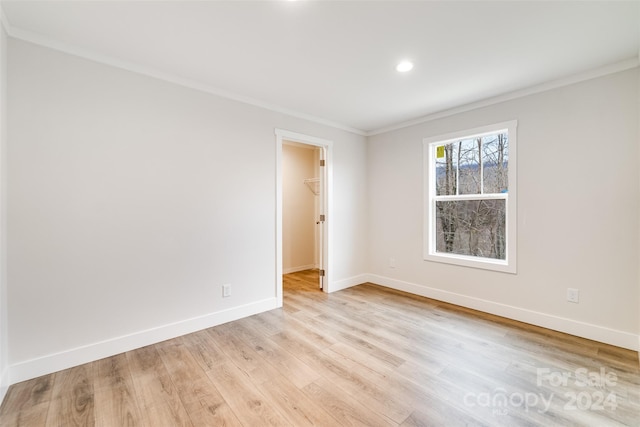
(470, 196)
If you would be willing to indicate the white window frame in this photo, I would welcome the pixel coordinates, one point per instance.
(430, 144)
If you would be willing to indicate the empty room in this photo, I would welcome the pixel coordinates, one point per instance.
(330, 213)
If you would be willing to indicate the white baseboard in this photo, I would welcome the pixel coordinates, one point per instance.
(58, 361)
(349, 282)
(556, 323)
(66, 359)
(299, 268)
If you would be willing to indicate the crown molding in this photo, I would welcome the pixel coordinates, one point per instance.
(39, 39)
(543, 87)
(48, 42)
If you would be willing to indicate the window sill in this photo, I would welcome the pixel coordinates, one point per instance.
(501, 266)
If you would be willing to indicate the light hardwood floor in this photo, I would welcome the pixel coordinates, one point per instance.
(367, 355)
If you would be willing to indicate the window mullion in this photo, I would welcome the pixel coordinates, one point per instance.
(491, 196)
(480, 160)
(458, 171)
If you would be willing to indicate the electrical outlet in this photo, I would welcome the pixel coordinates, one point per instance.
(392, 262)
(573, 295)
(226, 290)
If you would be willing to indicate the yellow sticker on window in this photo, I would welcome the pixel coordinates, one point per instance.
(440, 152)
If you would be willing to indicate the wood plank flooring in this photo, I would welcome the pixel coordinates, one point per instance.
(364, 356)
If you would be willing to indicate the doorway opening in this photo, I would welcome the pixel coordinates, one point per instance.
(301, 210)
(303, 200)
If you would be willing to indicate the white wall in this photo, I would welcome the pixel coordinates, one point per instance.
(578, 215)
(132, 200)
(298, 208)
(4, 330)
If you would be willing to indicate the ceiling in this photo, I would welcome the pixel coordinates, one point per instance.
(335, 61)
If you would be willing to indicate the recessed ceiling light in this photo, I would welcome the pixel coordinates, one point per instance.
(404, 66)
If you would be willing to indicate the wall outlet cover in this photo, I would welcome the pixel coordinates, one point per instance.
(573, 295)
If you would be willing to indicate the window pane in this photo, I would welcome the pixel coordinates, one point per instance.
(446, 169)
(495, 155)
(469, 166)
(471, 227)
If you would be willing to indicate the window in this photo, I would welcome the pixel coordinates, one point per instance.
(470, 201)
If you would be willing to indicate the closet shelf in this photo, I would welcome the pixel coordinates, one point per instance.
(313, 184)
